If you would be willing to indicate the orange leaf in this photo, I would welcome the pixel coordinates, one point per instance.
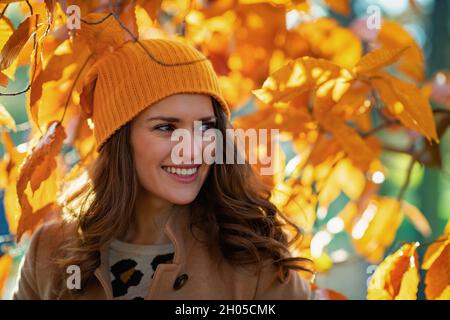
(340, 6)
(350, 141)
(15, 43)
(394, 36)
(152, 7)
(103, 37)
(326, 294)
(378, 59)
(437, 279)
(407, 103)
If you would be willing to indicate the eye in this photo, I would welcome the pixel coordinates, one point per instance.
(208, 125)
(165, 127)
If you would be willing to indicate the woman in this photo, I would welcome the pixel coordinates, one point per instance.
(146, 227)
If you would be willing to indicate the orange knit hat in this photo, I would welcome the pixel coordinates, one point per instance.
(128, 80)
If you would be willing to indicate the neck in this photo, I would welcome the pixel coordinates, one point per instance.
(150, 215)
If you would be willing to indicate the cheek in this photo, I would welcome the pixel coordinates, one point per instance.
(149, 152)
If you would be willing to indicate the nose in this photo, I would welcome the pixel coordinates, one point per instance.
(193, 153)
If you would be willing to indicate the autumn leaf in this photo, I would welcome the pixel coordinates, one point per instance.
(151, 7)
(296, 77)
(437, 262)
(299, 205)
(406, 103)
(394, 36)
(36, 168)
(6, 119)
(6, 30)
(377, 59)
(16, 41)
(349, 140)
(57, 86)
(340, 6)
(325, 38)
(287, 119)
(5, 267)
(397, 277)
(437, 279)
(353, 102)
(326, 294)
(102, 38)
(417, 218)
(376, 227)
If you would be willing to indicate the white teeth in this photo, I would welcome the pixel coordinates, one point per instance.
(181, 172)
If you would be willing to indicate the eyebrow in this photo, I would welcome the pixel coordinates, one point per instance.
(171, 119)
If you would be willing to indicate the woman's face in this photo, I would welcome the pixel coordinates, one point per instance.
(152, 147)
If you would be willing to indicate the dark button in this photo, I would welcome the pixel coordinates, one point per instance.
(180, 281)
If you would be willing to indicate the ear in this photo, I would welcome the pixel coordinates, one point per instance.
(87, 92)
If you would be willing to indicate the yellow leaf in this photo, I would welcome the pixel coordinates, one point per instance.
(6, 119)
(397, 277)
(375, 230)
(5, 267)
(36, 169)
(325, 38)
(16, 42)
(351, 179)
(6, 29)
(296, 77)
(410, 282)
(300, 208)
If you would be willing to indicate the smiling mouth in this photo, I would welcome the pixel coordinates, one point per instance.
(183, 172)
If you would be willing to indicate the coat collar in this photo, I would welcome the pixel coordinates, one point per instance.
(177, 229)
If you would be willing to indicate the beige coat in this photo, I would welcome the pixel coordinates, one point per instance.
(194, 273)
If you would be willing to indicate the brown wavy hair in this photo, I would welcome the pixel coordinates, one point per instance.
(233, 207)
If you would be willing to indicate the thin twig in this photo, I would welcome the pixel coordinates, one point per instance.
(441, 110)
(380, 127)
(135, 39)
(30, 7)
(4, 10)
(408, 178)
(69, 96)
(397, 150)
(96, 22)
(426, 244)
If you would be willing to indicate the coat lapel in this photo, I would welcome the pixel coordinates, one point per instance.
(177, 230)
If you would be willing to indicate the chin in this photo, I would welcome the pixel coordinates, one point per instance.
(181, 200)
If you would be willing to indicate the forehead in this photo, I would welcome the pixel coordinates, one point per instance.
(181, 105)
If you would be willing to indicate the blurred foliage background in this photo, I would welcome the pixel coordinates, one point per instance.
(429, 189)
